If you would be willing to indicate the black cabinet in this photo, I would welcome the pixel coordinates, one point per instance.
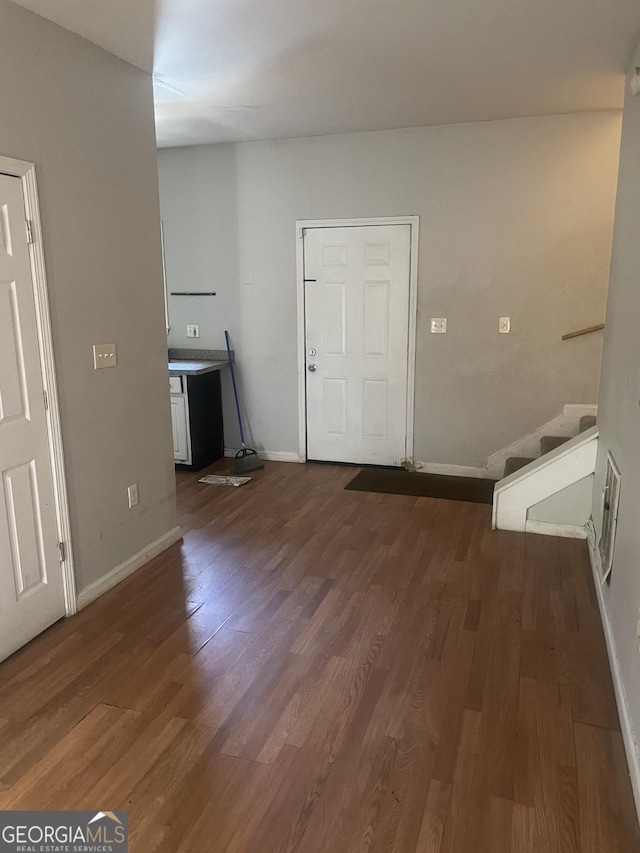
(196, 409)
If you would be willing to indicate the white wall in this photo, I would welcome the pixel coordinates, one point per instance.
(619, 409)
(85, 118)
(516, 219)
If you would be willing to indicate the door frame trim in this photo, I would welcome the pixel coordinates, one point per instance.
(27, 173)
(301, 225)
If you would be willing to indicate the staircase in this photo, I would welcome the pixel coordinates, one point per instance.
(551, 494)
(547, 444)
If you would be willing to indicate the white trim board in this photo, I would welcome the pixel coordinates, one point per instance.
(628, 736)
(550, 528)
(27, 174)
(414, 223)
(106, 582)
(270, 455)
(451, 470)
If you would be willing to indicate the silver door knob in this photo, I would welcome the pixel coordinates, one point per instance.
(312, 368)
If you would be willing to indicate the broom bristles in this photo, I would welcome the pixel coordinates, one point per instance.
(247, 460)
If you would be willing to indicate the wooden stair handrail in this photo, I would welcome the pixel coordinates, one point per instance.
(583, 332)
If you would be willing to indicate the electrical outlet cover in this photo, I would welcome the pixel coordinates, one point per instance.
(104, 355)
(438, 325)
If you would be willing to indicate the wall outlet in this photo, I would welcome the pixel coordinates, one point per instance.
(193, 331)
(438, 325)
(132, 492)
(104, 355)
(504, 326)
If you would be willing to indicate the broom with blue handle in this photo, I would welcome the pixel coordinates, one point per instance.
(246, 458)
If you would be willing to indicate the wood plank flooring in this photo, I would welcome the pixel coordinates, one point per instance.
(329, 671)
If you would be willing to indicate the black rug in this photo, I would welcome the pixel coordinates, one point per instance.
(397, 482)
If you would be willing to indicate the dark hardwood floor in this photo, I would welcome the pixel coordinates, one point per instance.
(328, 671)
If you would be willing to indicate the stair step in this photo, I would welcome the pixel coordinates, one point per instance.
(586, 422)
(514, 463)
(550, 442)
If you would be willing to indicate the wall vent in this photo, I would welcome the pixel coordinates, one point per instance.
(610, 501)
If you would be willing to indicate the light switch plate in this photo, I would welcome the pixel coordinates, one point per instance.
(438, 325)
(104, 355)
(193, 331)
(504, 326)
(132, 494)
(247, 276)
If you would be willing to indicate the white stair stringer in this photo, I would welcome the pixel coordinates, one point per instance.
(556, 470)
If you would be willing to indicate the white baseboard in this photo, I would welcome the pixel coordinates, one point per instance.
(628, 736)
(281, 456)
(270, 455)
(108, 581)
(451, 470)
(549, 528)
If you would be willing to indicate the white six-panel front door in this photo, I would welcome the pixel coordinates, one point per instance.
(356, 340)
(31, 584)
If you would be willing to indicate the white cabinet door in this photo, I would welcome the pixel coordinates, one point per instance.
(357, 334)
(31, 585)
(180, 424)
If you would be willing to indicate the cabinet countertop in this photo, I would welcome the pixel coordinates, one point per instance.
(194, 368)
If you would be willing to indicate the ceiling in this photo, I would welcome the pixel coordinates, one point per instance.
(231, 70)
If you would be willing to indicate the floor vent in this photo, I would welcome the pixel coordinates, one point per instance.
(610, 501)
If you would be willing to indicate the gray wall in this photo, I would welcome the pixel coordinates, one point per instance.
(201, 239)
(515, 217)
(568, 506)
(85, 119)
(619, 409)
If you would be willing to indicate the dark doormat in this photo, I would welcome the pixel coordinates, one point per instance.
(396, 482)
